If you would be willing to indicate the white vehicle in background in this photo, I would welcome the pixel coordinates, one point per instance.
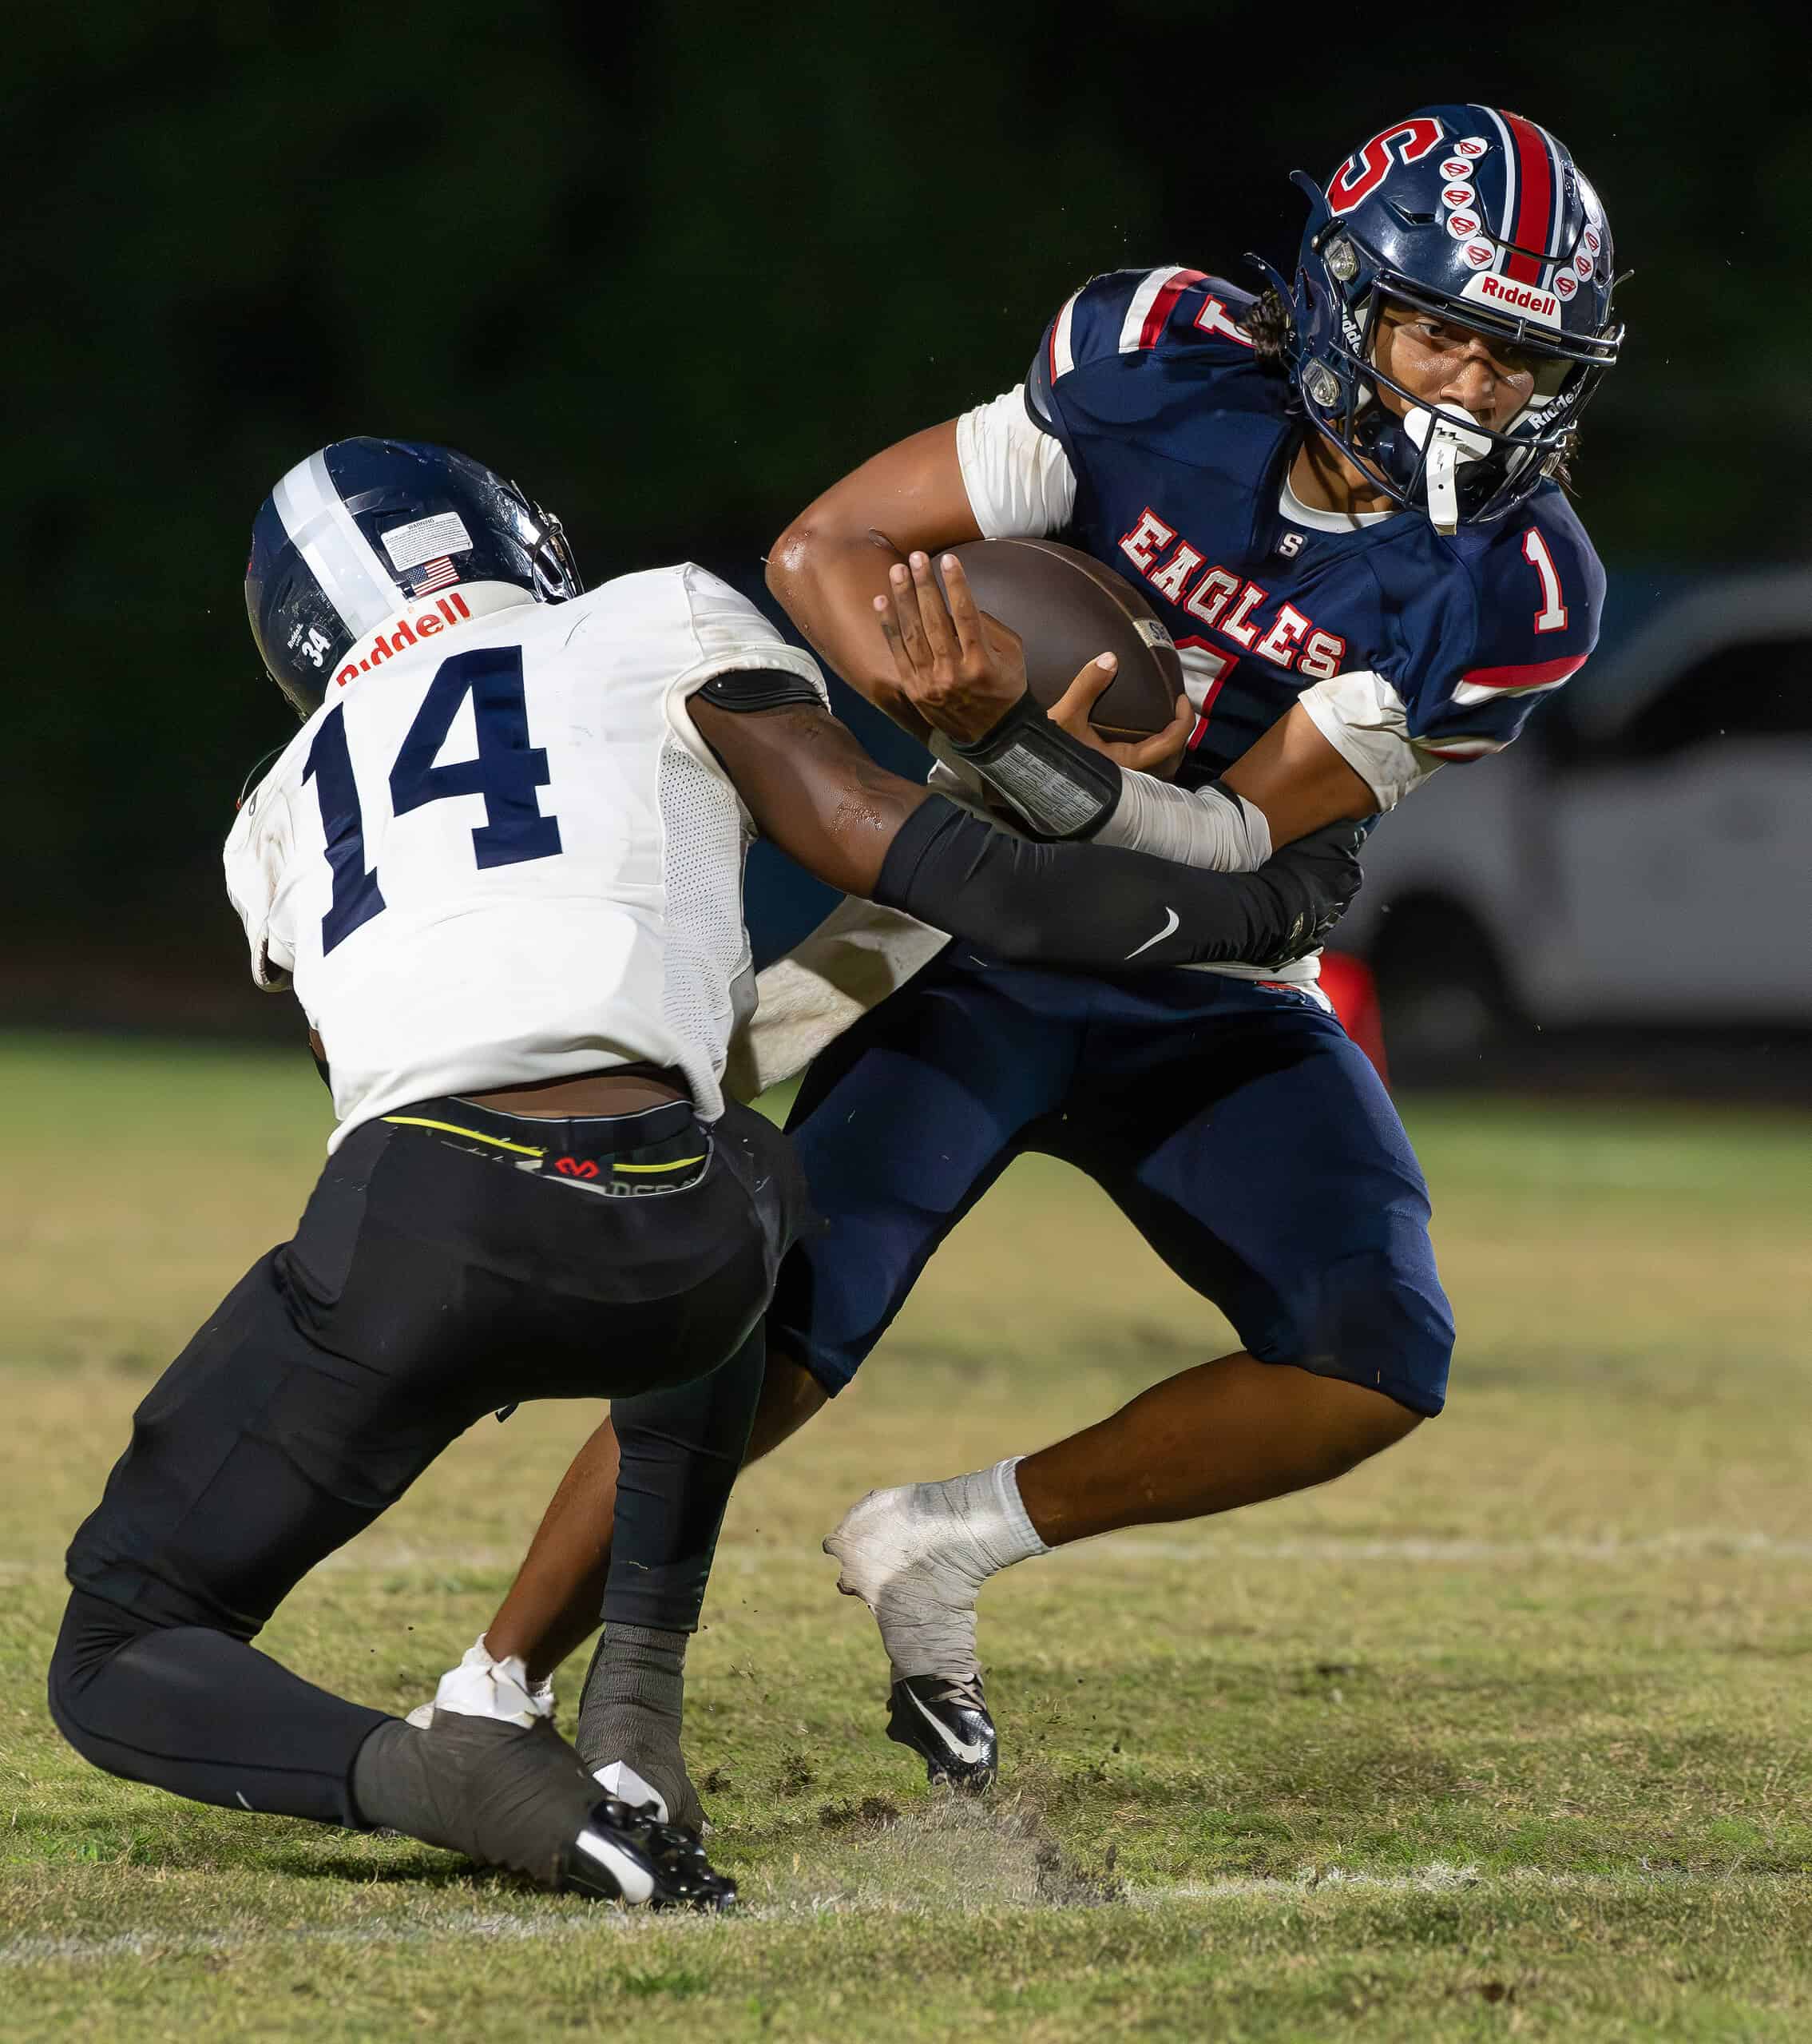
(1643, 856)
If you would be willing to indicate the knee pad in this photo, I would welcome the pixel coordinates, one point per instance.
(93, 1632)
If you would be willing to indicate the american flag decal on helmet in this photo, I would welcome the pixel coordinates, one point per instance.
(432, 575)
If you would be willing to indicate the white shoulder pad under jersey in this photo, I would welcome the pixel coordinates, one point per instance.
(499, 852)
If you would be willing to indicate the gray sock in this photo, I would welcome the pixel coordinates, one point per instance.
(633, 1708)
(500, 1794)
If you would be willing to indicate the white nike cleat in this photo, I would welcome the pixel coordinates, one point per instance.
(946, 1723)
(481, 1687)
(918, 1557)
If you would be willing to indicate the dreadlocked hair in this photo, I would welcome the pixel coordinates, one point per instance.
(1559, 464)
(1271, 328)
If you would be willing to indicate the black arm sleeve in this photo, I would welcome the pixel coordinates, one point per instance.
(1094, 909)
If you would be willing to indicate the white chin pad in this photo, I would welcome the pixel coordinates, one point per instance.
(1450, 438)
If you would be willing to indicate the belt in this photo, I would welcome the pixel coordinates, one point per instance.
(663, 1148)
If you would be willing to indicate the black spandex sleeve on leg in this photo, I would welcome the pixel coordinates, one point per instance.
(1097, 909)
(680, 1450)
(205, 1716)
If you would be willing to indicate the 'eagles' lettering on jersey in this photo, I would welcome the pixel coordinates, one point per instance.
(1181, 440)
(1293, 640)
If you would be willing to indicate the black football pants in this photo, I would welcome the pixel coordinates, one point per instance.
(438, 1276)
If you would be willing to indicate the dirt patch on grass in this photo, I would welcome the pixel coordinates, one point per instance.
(958, 1852)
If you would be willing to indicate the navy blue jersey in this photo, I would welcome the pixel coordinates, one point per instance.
(1181, 440)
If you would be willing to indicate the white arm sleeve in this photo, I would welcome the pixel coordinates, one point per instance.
(1363, 717)
(1210, 827)
(1020, 482)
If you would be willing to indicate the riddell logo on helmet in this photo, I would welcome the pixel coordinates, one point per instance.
(1541, 306)
(402, 632)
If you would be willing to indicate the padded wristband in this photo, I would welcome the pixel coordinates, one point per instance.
(1065, 788)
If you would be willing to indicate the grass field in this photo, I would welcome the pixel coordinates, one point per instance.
(1508, 1734)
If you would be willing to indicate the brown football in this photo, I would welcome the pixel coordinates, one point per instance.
(1067, 608)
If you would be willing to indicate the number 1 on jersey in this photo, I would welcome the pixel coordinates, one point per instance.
(1552, 615)
(356, 899)
(506, 773)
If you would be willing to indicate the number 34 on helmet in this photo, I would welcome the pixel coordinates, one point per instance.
(1482, 218)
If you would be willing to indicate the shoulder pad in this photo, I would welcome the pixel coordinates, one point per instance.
(1541, 588)
(1130, 312)
(1538, 588)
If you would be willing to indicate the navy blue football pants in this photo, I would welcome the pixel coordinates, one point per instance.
(1234, 1123)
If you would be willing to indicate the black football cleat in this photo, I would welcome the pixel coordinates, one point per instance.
(944, 1719)
(624, 1853)
(518, 1796)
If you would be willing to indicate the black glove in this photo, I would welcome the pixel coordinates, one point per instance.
(1315, 880)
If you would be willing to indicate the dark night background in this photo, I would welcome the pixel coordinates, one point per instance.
(677, 268)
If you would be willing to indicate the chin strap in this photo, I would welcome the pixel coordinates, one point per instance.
(1449, 439)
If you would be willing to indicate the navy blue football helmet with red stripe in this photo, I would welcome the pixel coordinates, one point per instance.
(366, 525)
(1482, 218)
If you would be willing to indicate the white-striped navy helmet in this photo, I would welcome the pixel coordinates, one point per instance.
(365, 527)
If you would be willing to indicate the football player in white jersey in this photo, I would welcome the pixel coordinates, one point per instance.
(501, 867)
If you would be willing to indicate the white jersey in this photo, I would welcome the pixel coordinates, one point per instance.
(500, 852)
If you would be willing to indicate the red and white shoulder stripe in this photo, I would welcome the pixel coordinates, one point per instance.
(1458, 746)
(1063, 328)
(1489, 684)
(1142, 324)
(1151, 305)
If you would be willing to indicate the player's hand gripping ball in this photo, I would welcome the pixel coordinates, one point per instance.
(1016, 614)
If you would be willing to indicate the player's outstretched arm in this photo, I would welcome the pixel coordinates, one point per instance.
(813, 791)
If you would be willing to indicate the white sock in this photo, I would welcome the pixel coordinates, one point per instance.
(918, 1555)
(987, 1506)
(482, 1686)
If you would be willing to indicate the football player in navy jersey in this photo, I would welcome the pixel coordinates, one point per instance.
(1344, 498)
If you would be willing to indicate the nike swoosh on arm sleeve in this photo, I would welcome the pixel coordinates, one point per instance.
(1076, 906)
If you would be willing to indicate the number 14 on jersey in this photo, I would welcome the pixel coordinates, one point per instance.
(506, 772)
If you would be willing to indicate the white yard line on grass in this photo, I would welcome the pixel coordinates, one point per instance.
(1437, 1877)
(160, 1944)
(1685, 1542)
